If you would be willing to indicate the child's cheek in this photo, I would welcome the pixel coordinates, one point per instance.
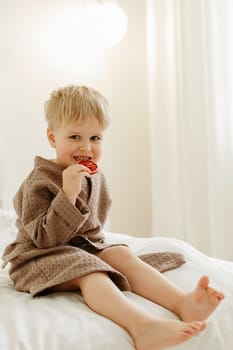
(98, 154)
(65, 152)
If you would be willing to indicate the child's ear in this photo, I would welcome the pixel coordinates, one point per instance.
(51, 137)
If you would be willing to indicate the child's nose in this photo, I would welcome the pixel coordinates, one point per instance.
(85, 147)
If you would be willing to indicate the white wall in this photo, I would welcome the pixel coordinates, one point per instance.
(29, 71)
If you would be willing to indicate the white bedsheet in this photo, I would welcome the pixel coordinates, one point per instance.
(61, 321)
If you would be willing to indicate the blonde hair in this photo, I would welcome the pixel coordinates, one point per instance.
(75, 104)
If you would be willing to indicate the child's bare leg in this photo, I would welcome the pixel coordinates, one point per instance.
(148, 333)
(151, 284)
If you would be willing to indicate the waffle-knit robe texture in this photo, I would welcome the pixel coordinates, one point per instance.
(56, 240)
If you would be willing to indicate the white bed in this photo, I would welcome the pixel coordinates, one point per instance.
(61, 321)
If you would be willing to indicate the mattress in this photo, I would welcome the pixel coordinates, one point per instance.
(63, 321)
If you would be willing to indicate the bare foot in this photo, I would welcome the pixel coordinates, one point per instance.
(200, 303)
(160, 334)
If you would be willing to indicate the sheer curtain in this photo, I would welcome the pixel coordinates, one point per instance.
(190, 74)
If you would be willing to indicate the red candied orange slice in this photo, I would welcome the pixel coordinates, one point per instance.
(93, 167)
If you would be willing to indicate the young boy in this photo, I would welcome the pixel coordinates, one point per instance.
(62, 206)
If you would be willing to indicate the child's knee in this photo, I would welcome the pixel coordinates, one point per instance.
(117, 255)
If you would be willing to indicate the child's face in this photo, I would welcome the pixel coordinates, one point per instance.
(76, 140)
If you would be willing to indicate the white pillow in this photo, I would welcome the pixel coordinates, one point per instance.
(7, 227)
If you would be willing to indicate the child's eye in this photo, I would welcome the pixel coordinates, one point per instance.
(75, 137)
(96, 138)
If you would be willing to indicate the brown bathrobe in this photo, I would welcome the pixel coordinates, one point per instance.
(56, 240)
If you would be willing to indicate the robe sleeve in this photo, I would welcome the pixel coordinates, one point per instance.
(46, 214)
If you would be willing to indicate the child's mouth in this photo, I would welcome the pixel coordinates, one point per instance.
(81, 158)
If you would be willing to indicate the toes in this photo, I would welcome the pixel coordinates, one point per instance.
(203, 325)
(212, 292)
(203, 282)
(221, 296)
(215, 293)
(190, 330)
(195, 327)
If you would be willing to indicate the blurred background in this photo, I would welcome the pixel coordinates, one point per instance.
(166, 68)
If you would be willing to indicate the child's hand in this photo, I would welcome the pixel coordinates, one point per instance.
(72, 180)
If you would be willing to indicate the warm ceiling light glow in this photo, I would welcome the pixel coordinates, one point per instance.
(74, 34)
(106, 23)
(90, 25)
